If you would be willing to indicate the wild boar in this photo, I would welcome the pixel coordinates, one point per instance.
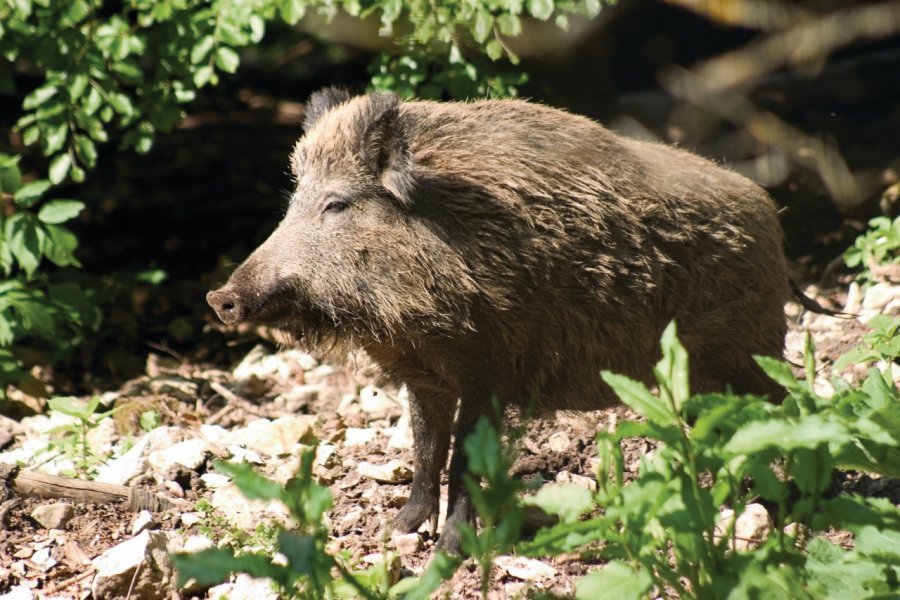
(504, 251)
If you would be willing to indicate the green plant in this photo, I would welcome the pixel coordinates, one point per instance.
(74, 436)
(308, 571)
(665, 530)
(34, 305)
(881, 344)
(878, 246)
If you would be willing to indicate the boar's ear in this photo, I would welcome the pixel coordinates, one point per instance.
(385, 146)
(320, 103)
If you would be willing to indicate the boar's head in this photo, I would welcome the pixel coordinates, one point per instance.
(352, 260)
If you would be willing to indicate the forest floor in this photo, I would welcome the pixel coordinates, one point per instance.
(265, 410)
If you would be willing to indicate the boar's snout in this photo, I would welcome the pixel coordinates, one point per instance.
(227, 305)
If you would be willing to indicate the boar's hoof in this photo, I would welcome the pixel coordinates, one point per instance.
(413, 514)
(227, 305)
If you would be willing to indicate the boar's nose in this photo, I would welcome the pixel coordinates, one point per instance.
(226, 304)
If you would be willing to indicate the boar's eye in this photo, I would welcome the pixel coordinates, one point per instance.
(335, 206)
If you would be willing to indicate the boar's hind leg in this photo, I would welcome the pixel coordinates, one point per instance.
(459, 505)
(431, 415)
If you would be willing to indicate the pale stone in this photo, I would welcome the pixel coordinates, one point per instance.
(143, 520)
(355, 436)
(750, 529)
(526, 569)
(879, 295)
(197, 543)
(190, 519)
(140, 566)
(53, 516)
(401, 434)
(393, 471)
(406, 543)
(579, 480)
(190, 454)
(274, 438)
(214, 480)
(559, 442)
(244, 513)
(245, 587)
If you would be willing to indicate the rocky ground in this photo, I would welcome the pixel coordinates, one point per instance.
(264, 411)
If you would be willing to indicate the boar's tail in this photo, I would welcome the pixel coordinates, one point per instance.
(813, 306)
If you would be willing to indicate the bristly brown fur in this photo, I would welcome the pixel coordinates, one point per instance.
(505, 250)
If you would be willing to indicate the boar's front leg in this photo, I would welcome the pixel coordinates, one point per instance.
(431, 414)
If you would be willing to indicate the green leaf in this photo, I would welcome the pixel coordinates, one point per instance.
(121, 103)
(39, 96)
(777, 370)
(60, 246)
(59, 168)
(672, 370)
(482, 26)
(292, 10)
(86, 150)
(253, 485)
(23, 241)
(59, 211)
(637, 397)
(215, 565)
(72, 407)
(540, 9)
(617, 580)
(31, 192)
(10, 177)
(806, 432)
(569, 502)
(227, 59)
(879, 542)
(202, 49)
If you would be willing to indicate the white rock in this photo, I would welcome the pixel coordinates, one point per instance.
(559, 442)
(394, 471)
(854, 298)
(132, 464)
(43, 559)
(20, 592)
(351, 517)
(260, 365)
(879, 295)
(239, 454)
(148, 554)
(579, 480)
(406, 543)
(375, 400)
(215, 434)
(244, 513)
(357, 436)
(190, 454)
(245, 587)
(189, 519)
(277, 437)
(214, 480)
(143, 520)
(750, 529)
(197, 543)
(401, 433)
(53, 516)
(526, 569)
